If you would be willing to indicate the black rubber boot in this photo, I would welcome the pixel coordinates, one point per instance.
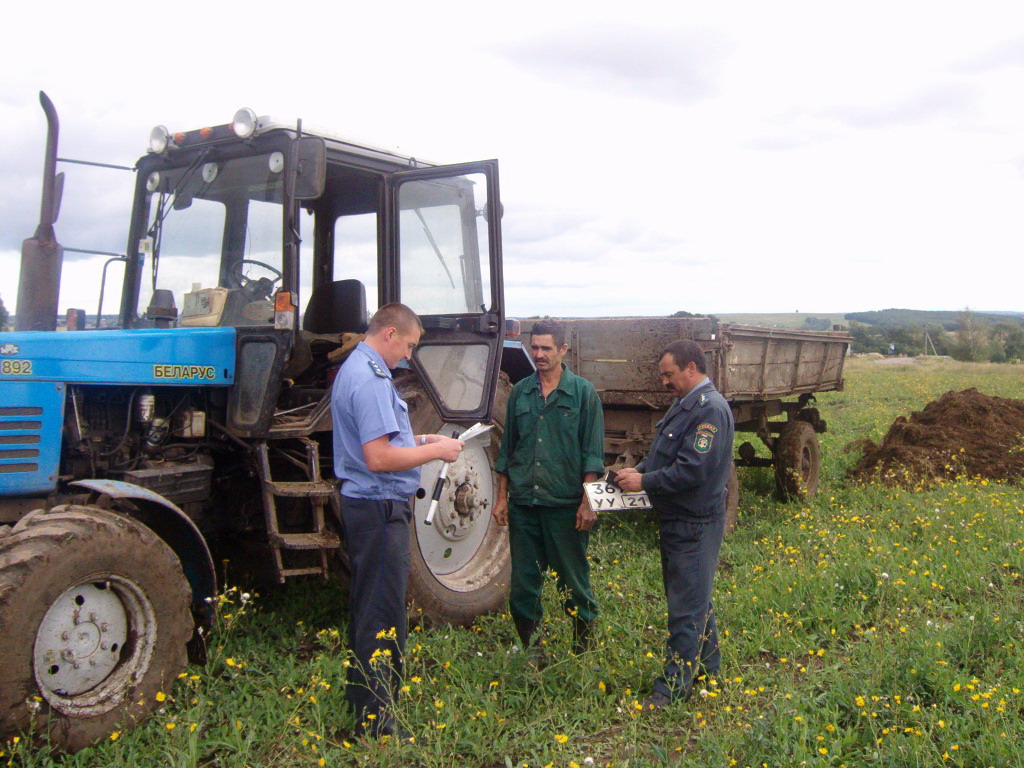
(582, 636)
(535, 656)
(525, 629)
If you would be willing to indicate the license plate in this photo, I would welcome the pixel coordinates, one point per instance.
(605, 497)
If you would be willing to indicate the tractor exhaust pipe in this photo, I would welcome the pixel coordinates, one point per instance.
(41, 255)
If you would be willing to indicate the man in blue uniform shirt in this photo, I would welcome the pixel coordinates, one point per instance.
(685, 474)
(377, 459)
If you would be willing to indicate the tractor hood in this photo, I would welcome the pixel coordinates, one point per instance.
(175, 356)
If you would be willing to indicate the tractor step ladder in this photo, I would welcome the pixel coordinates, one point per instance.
(318, 492)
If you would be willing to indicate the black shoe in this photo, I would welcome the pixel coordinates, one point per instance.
(655, 701)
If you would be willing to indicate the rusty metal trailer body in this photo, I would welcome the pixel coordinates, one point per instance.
(764, 373)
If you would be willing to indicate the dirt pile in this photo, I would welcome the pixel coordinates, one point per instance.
(961, 434)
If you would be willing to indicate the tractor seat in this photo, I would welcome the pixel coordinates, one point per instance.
(333, 323)
(336, 307)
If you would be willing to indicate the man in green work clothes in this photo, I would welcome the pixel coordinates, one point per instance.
(552, 444)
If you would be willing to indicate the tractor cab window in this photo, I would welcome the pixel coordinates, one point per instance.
(213, 240)
(443, 232)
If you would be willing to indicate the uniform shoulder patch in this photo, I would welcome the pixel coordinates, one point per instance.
(704, 438)
(703, 398)
(377, 370)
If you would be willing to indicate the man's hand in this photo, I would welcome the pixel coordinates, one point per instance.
(448, 447)
(585, 516)
(500, 511)
(629, 480)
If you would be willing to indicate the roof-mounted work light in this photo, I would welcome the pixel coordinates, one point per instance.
(158, 139)
(243, 124)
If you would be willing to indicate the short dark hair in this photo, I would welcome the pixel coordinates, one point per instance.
(684, 352)
(549, 327)
(395, 315)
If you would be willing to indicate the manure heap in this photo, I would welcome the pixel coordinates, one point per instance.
(962, 434)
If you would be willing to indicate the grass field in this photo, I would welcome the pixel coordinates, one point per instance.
(870, 626)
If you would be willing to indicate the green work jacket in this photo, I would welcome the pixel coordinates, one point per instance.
(549, 444)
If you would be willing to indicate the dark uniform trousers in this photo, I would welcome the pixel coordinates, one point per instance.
(542, 538)
(689, 556)
(377, 544)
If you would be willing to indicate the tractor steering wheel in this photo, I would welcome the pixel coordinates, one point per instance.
(255, 290)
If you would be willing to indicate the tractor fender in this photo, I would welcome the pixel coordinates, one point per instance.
(172, 525)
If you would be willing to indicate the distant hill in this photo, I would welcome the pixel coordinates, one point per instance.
(884, 318)
(897, 318)
(786, 320)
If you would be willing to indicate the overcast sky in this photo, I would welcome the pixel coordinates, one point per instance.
(713, 157)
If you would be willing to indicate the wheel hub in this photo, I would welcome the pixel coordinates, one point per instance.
(80, 638)
(459, 506)
(465, 500)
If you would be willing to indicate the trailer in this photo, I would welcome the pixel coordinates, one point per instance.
(769, 376)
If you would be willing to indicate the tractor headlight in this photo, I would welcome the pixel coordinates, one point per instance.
(243, 124)
(159, 137)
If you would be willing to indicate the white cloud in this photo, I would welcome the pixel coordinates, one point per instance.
(740, 157)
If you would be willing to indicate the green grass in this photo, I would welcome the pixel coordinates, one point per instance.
(869, 626)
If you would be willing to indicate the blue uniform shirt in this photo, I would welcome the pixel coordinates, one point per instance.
(365, 406)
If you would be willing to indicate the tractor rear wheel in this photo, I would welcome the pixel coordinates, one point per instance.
(94, 618)
(460, 565)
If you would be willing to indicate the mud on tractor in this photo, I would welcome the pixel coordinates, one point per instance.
(201, 416)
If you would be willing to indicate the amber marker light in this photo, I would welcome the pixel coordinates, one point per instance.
(283, 301)
(284, 311)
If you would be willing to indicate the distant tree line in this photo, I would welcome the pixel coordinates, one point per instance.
(4, 315)
(949, 321)
(684, 313)
(972, 337)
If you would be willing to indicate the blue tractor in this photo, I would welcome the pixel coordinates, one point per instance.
(198, 418)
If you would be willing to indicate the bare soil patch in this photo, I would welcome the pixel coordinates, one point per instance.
(962, 433)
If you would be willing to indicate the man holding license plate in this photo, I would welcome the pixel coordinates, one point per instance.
(685, 474)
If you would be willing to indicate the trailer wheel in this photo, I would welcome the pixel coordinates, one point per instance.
(94, 619)
(460, 565)
(732, 500)
(797, 461)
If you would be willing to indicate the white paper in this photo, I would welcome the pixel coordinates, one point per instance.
(478, 430)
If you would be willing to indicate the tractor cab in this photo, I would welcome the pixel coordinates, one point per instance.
(294, 238)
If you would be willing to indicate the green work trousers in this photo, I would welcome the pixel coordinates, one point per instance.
(542, 538)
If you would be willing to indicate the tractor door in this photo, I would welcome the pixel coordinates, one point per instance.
(444, 237)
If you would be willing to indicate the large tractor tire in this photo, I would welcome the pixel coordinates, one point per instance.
(94, 618)
(732, 500)
(797, 458)
(460, 565)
